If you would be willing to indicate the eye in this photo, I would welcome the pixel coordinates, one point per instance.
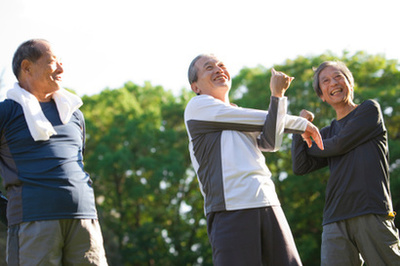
(339, 76)
(209, 68)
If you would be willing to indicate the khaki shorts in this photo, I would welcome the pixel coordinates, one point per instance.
(56, 242)
(371, 238)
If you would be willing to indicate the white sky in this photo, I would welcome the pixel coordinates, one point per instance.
(107, 43)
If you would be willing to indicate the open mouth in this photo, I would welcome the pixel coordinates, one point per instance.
(221, 77)
(336, 91)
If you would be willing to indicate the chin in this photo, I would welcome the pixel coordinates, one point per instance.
(54, 89)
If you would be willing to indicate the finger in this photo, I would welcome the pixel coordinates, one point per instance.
(308, 141)
(307, 115)
(273, 71)
(307, 138)
(318, 140)
(310, 116)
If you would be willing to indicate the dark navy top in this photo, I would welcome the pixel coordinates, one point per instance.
(45, 180)
(357, 153)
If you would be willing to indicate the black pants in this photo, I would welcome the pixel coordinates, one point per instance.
(252, 237)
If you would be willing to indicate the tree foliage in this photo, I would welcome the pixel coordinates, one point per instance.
(137, 156)
(149, 204)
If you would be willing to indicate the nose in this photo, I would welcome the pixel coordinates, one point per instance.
(333, 82)
(60, 67)
(219, 69)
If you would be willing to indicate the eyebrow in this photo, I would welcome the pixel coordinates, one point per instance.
(335, 72)
(207, 63)
(212, 61)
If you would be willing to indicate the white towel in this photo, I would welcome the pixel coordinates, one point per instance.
(39, 127)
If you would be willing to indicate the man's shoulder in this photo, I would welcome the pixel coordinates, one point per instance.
(7, 106)
(198, 102)
(370, 103)
(369, 106)
(201, 98)
(8, 102)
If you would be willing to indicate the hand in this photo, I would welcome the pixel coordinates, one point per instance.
(307, 115)
(279, 83)
(312, 132)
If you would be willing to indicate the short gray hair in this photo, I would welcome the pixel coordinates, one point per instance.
(27, 50)
(342, 68)
(192, 72)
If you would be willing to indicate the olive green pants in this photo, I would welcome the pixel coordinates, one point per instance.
(56, 242)
(370, 238)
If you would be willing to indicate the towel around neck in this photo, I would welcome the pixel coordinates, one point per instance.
(39, 127)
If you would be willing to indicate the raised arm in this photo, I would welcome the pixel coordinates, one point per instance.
(303, 163)
(279, 84)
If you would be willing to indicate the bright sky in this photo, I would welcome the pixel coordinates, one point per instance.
(107, 43)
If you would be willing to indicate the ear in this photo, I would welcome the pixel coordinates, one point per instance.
(195, 88)
(26, 66)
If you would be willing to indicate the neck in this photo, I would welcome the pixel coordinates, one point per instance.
(225, 99)
(344, 110)
(40, 96)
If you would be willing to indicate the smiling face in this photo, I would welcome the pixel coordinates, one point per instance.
(335, 87)
(43, 76)
(212, 78)
(47, 70)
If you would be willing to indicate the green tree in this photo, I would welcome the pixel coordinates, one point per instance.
(150, 207)
(137, 156)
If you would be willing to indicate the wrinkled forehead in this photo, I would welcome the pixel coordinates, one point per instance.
(206, 60)
(331, 69)
(48, 48)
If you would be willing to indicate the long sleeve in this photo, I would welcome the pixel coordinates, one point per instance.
(365, 124)
(302, 163)
(226, 144)
(3, 209)
(210, 115)
(3, 200)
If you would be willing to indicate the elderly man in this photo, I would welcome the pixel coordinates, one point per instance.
(52, 218)
(358, 216)
(246, 225)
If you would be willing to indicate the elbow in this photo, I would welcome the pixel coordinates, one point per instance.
(268, 149)
(268, 146)
(299, 170)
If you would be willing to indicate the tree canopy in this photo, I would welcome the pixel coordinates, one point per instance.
(147, 195)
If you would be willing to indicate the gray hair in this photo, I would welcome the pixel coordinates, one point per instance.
(338, 64)
(192, 72)
(27, 50)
